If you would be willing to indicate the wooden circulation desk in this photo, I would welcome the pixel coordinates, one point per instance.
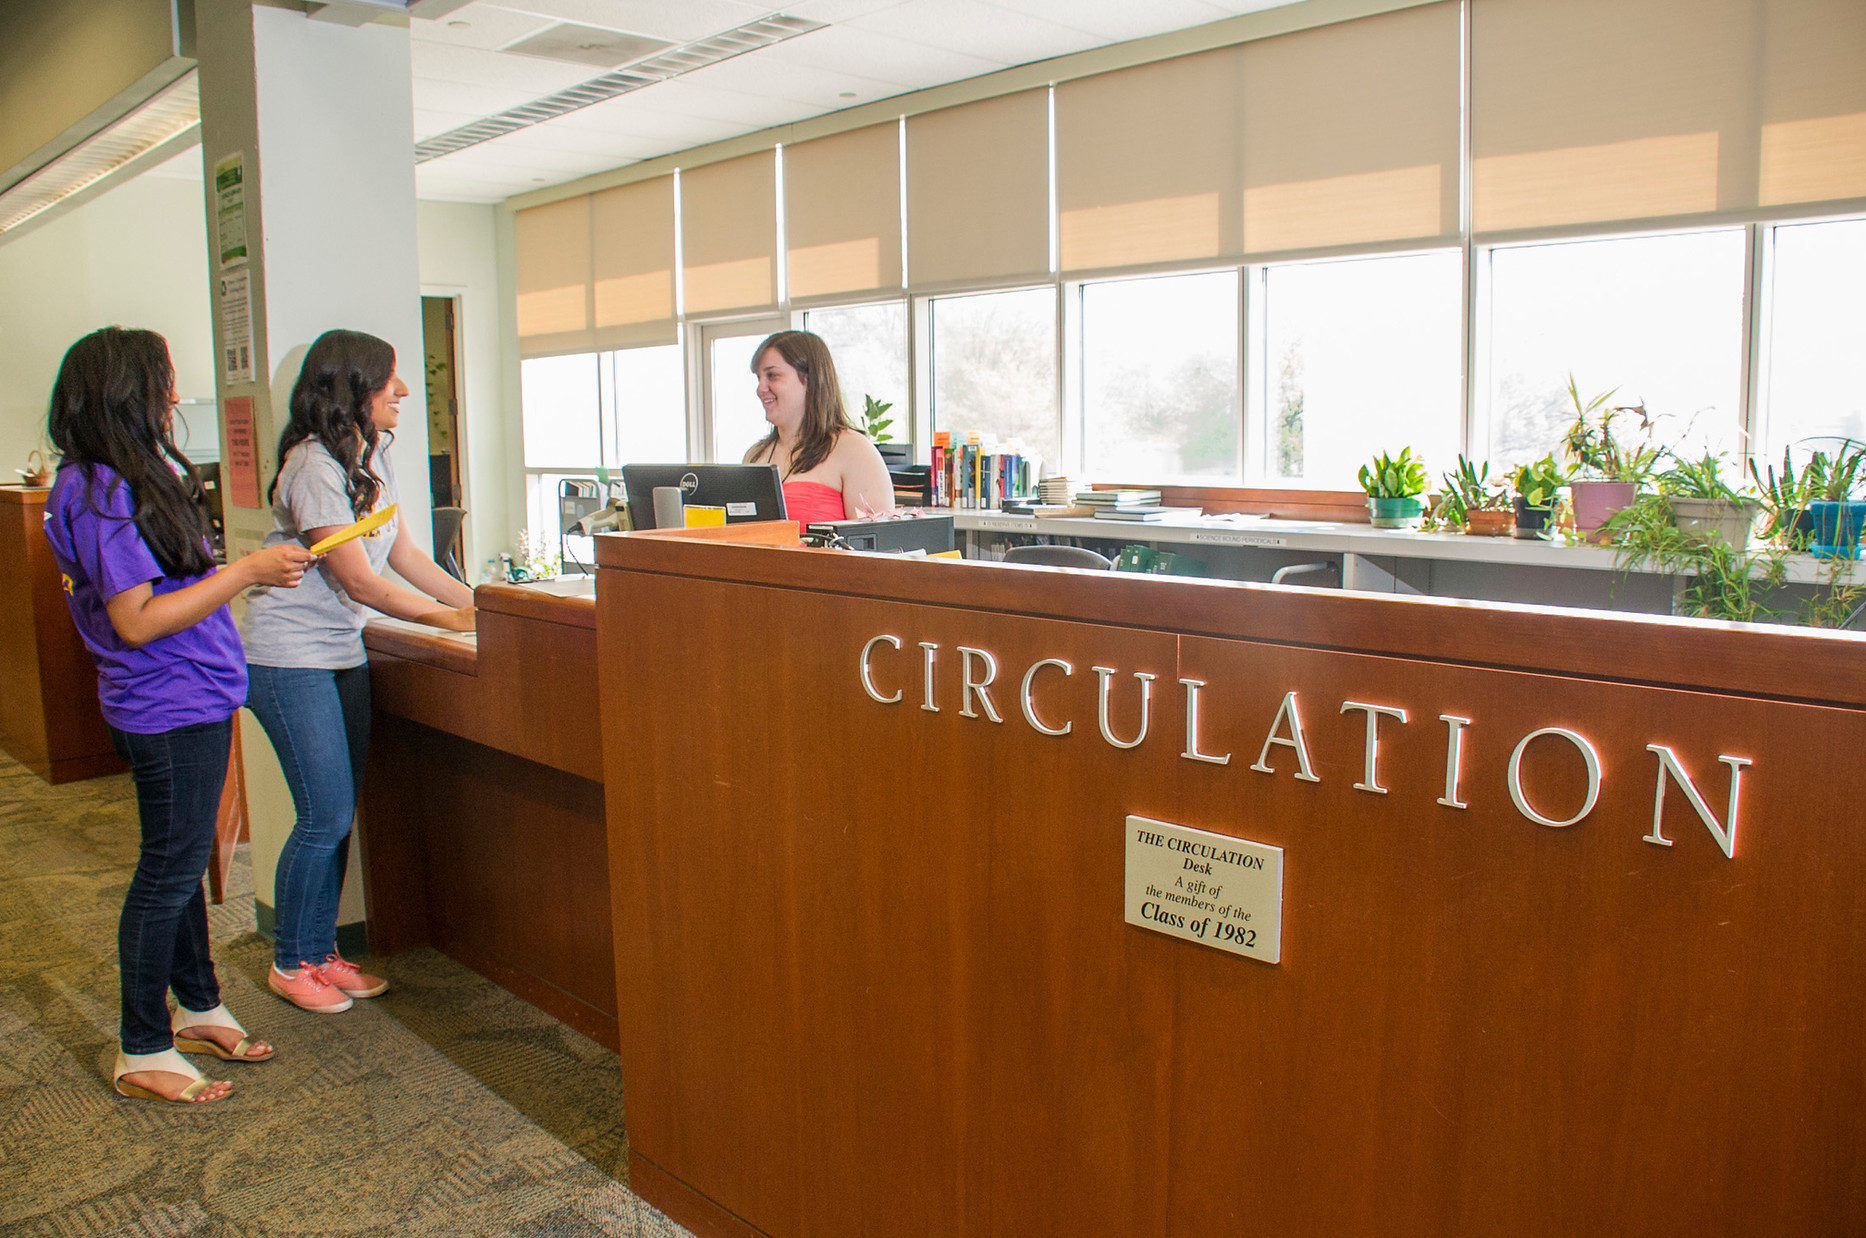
(49, 719)
(482, 809)
(876, 976)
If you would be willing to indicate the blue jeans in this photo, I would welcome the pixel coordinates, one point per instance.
(318, 722)
(162, 936)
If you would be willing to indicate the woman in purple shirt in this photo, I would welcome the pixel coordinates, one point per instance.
(128, 527)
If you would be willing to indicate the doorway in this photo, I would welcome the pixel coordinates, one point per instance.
(732, 417)
(440, 344)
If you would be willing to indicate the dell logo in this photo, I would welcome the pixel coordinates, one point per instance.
(689, 482)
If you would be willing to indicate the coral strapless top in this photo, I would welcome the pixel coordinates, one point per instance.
(811, 502)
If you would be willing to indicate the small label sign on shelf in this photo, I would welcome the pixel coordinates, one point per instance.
(1240, 539)
(1208, 888)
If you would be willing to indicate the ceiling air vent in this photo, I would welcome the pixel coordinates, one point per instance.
(587, 45)
(683, 59)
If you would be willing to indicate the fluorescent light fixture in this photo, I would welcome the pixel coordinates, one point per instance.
(683, 59)
(170, 114)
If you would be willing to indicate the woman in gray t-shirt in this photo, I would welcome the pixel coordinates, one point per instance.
(307, 672)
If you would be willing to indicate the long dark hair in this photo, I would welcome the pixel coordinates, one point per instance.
(342, 373)
(823, 418)
(113, 404)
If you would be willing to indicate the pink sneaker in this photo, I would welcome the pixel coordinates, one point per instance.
(344, 976)
(308, 990)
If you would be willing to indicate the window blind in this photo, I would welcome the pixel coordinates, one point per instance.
(1148, 163)
(1594, 111)
(842, 213)
(978, 194)
(1351, 133)
(553, 278)
(632, 264)
(728, 215)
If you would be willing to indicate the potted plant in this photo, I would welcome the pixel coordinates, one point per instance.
(1536, 485)
(1393, 488)
(1837, 515)
(1704, 505)
(1785, 500)
(1472, 501)
(1609, 470)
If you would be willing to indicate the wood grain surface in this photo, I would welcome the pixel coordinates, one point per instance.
(482, 809)
(49, 717)
(875, 979)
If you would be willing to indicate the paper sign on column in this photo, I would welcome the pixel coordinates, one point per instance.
(230, 209)
(242, 452)
(1208, 888)
(236, 327)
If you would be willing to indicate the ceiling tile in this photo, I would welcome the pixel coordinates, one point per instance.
(838, 10)
(438, 62)
(759, 75)
(967, 26)
(1119, 19)
(681, 22)
(683, 96)
(487, 27)
(840, 48)
(474, 101)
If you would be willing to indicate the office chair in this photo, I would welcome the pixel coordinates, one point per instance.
(447, 522)
(1057, 556)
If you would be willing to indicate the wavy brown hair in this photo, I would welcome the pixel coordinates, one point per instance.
(113, 404)
(342, 372)
(823, 418)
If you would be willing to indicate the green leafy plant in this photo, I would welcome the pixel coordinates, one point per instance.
(1698, 479)
(1720, 582)
(1834, 479)
(875, 420)
(1469, 489)
(1536, 483)
(1785, 499)
(1724, 583)
(1594, 446)
(1401, 477)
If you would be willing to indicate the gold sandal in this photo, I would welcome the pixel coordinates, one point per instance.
(219, 1016)
(169, 1062)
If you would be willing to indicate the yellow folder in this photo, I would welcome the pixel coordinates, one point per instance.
(362, 528)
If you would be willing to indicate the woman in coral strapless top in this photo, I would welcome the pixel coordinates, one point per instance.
(829, 468)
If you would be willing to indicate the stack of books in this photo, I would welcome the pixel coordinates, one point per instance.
(1141, 505)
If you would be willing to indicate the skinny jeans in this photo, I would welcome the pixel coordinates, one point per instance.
(162, 939)
(318, 722)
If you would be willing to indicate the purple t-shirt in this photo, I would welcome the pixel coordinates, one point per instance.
(196, 675)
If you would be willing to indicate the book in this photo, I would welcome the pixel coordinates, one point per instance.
(1146, 513)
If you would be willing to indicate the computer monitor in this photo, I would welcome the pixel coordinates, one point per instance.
(747, 491)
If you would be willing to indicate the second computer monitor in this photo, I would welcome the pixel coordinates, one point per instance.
(747, 491)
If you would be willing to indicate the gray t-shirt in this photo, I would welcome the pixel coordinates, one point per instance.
(316, 625)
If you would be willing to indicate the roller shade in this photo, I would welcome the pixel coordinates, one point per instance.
(1351, 133)
(1148, 165)
(842, 213)
(553, 278)
(1812, 147)
(1596, 110)
(633, 264)
(729, 235)
(978, 195)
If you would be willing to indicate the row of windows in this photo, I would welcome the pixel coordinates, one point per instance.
(1291, 375)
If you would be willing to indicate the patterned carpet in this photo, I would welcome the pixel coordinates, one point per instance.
(446, 1107)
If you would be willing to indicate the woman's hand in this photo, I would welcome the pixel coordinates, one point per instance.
(282, 566)
(453, 620)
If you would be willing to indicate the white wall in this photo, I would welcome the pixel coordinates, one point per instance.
(458, 259)
(133, 257)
